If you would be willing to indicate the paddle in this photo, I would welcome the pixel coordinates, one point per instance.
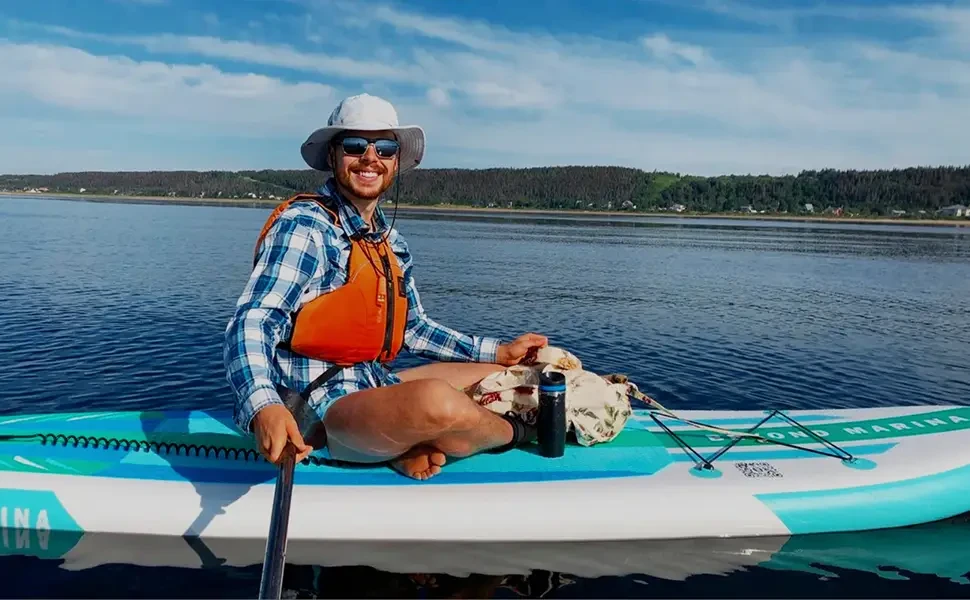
(271, 584)
(274, 560)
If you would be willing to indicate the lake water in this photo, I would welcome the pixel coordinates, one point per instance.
(123, 306)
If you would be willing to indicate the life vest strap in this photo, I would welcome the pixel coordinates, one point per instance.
(323, 201)
(320, 380)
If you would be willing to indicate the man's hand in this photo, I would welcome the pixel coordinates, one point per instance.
(516, 350)
(274, 426)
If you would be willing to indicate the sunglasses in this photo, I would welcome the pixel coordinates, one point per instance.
(356, 146)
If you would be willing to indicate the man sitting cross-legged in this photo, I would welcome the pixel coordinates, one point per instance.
(331, 299)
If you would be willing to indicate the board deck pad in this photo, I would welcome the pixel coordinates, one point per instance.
(206, 446)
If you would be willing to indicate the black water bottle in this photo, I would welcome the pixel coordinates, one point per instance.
(551, 423)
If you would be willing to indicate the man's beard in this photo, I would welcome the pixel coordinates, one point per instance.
(345, 178)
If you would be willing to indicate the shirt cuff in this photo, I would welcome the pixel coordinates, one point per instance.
(259, 399)
(486, 349)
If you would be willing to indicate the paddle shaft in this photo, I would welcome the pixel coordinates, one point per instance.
(271, 585)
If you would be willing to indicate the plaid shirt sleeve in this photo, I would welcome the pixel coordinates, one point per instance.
(286, 261)
(429, 339)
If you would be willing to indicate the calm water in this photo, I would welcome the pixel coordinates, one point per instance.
(114, 306)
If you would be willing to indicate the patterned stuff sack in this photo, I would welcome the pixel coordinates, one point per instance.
(597, 407)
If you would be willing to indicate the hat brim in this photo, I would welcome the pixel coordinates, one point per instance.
(411, 138)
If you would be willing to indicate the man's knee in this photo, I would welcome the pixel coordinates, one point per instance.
(440, 406)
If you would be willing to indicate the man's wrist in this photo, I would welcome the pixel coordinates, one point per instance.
(258, 399)
(488, 350)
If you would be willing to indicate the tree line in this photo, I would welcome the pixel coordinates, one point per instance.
(866, 193)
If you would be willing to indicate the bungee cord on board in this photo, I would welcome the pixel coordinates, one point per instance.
(736, 435)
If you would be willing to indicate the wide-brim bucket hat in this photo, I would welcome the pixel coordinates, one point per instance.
(364, 112)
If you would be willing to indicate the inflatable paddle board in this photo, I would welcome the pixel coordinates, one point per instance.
(191, 473)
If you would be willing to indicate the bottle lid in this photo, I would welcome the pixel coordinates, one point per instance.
(552, 381)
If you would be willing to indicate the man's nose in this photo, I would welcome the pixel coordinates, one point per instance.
(370, 154)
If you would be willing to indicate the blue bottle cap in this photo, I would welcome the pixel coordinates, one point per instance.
(552, 381)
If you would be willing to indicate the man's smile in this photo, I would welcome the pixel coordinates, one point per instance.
(367, 175)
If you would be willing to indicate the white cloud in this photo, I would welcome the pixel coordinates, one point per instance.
(202, 95)
(662, 100)
(785, 17)
(142, 2)
(270, 55)
(663, 48)
(561, 139)
(952, 21)
(477, 36)
(211, 19)
(439, 97)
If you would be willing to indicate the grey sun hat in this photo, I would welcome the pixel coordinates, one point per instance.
(364, 112)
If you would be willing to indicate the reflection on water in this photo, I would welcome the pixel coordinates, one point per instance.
(929, 561)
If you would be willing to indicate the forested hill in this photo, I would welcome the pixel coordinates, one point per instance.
(598, 188)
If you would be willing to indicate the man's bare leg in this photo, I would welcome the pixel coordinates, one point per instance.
(426, 460)
(458, 375)
(415, 424)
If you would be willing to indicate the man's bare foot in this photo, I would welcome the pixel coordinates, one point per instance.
(420, 462)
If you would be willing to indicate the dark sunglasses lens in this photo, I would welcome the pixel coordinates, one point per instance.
(354, 145)
(386, 148)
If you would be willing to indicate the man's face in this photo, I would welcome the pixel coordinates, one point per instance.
(365, 176)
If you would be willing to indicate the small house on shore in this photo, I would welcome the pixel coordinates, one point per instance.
(955, 210)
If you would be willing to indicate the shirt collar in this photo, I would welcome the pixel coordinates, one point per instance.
(350, 218)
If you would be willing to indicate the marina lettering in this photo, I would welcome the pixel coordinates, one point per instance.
(778, 435)
(933, 422)
(18, 531)
(857, 430)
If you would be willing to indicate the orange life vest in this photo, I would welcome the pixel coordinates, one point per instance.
(362, 320)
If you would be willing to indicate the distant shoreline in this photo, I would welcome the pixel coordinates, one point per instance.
(259, 203)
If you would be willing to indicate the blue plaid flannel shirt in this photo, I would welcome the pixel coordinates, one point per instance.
(305, 254)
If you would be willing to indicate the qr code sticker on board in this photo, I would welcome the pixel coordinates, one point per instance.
(757, 469)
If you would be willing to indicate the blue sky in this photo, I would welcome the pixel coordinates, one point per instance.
(691, 86)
